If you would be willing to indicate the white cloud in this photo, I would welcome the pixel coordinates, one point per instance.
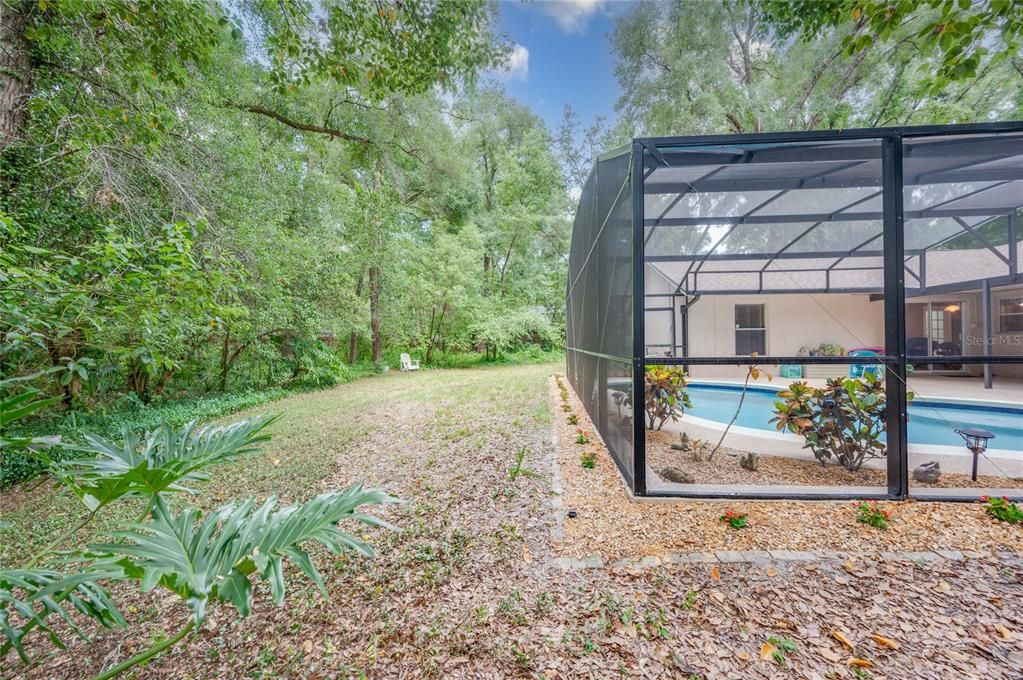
(572, 16)
(517, 65)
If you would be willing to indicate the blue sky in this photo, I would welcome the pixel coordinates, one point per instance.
(562, 55)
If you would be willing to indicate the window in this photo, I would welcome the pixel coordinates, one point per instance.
(1010, 315)
(750, 331)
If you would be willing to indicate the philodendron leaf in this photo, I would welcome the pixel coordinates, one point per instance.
(36, 594)
(164, 461)
(214, 558)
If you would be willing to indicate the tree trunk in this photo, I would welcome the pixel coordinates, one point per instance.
(353, 340)
(225, 364)
(60, 351)
(15, 71)
(374, 311)
(138, 380)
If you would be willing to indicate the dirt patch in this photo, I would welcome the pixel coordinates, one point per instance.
(611, 525)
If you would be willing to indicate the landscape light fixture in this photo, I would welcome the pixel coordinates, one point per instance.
(976, 442)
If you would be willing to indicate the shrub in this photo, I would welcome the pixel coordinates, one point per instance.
(665, 395)
(573, 419)
(1003, 509)
(872, 514)
(582, 437)
(588, 460)
(735, 520)
(842, 421)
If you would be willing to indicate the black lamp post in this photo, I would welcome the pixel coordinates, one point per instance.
(976, 442)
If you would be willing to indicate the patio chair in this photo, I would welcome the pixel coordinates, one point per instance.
(407, 364)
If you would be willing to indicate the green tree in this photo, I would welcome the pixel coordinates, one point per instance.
(957, 40)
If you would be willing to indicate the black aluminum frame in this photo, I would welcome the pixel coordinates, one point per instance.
(895, 359)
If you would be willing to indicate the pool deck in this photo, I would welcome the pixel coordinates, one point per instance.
(964, 388)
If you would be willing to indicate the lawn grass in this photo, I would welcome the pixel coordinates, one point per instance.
(309, 444)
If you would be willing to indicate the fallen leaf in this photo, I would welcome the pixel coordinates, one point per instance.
(841, 637)
(767, 651)
(884, 642)
(743, 655)
(527, 556)
(830, 654)
(849, 565)
(308, 646)
(715, 574)
(1003, 631)
(958, 656)
(944, 587)
(860, 663)
(772, 572)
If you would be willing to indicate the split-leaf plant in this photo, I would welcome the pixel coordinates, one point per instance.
(200, 560)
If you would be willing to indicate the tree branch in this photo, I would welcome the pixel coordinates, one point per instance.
(333, 133)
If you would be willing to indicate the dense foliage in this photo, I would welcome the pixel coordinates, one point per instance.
(200, 198)
(765, 65)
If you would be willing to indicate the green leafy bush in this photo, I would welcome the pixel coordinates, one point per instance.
(1002, 509)
(503, 331)
(841, 422)
(666, 395)
(588, 460)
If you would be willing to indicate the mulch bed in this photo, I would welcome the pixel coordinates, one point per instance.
(724, 468)
(611, 525)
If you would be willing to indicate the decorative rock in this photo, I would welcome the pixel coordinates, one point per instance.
(749, 461)
(684, 444)
(927, 473)
(673, 474)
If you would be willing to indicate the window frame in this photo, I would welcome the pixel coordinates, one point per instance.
(736, 330)
(1015, 295)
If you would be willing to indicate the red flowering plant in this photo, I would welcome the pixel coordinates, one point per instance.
(582, 436)
(588, 459)
(1003, 509)
(872, 514)
(735, 520)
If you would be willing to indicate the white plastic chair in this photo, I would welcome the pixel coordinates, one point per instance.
(407, 364)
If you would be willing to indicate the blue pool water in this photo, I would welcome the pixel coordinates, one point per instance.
(930, 422)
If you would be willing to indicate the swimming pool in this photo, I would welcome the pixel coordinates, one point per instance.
(930, 422)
